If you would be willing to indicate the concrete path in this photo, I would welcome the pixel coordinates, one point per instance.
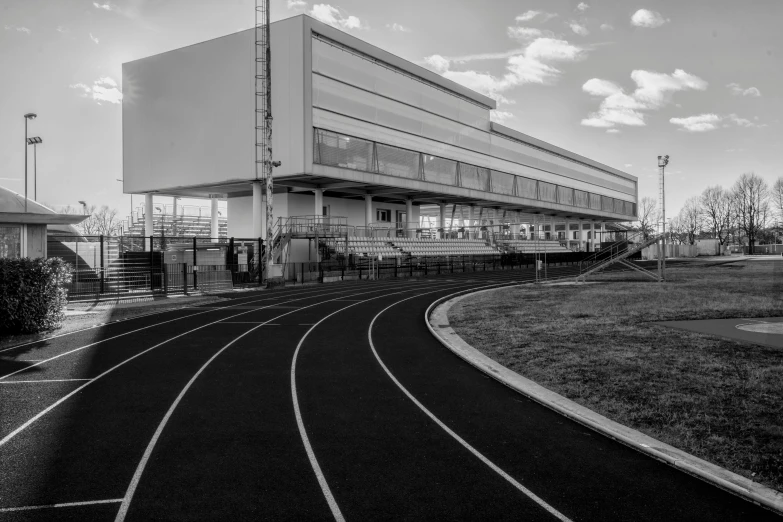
(316, 403)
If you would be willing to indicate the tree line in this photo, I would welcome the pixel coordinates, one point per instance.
(748, 213)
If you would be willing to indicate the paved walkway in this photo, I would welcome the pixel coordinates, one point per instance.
(318, 403)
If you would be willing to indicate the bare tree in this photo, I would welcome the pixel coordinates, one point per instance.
(717, 207)
(105, 221)
(751, 206)
(691, 218)
(648, 216)
(776, 198)
(676, 231)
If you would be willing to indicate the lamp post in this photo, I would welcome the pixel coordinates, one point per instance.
(662, 162)
(35, 141)
(28, 116)
(84, 207)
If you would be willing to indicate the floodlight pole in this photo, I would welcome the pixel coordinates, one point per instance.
(28, 116)
(662, 162)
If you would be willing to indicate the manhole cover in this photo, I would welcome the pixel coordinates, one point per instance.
(765, 328)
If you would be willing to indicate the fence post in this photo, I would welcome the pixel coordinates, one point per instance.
(425, 265)
(195, 266)
(360, 270)
(395, 269)
(152, 267)
(165, 276)
(259, 257)
(230, 258)
(102, 265)
(185, 278)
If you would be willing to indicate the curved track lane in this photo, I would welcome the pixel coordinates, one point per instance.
(332, 402)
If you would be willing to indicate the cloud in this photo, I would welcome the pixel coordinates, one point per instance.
(103, 89)
(93, 38)
(653, 91)
(628, 165)
(19, 29)
(398, 28)
(532, 64)
(332, 16)
(582, 7)
(62, 29)
(296, 4)
(647, 18)
(613, 131)
(579, 29)
(738, 90)
(106, 7)
(524, 33)
(607, 27)
(500, 116)
(530, 15)
(700, 123)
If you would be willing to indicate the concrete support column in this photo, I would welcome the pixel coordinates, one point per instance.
(147, 218)
(409, 218)
(214, 226)
(367, 210)
(259, 210)
(442, 220)
(319, 202)
(471, 217)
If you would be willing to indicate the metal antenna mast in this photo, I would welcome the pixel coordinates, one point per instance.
(263, 122)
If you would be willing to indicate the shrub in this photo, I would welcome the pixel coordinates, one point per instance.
(32, 297)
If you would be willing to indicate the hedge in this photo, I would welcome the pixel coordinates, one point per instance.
(32, 297)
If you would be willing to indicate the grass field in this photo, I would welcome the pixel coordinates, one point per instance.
(599, 346)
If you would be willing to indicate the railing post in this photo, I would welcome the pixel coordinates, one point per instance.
(185, 277)
(102, 265)
(152, 268)
(259, 258)
(165, 277)
(195, 266)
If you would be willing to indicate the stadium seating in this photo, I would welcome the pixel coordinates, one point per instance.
(183, 226)
(364, 246)
(444, 247)
(532, 246)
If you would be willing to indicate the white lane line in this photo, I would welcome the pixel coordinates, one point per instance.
(125, 319)
(61, 505)
(126, 501)
(44, 361)
(327, 492)
(538, 500)
(43, 380)
(77, 390)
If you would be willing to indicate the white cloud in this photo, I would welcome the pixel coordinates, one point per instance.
(628, 165)
(103, 89)
(332, 16)
(612, 131)
(500, 116)
(296, 4)
(582, 7)
(106, 7)
(19, 29)
(700, 123)
(93, 38)
(61, 29)
(578, 28)
(653, 91)
(529, 15)
(738, 90)
(533, 64)
(524, 33)
(647, 18)
(399, 28)
(607, 27)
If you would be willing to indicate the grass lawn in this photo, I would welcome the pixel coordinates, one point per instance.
(599, 346)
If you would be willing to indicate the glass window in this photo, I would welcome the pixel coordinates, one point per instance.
(595, 201)
(527, 188)
(473, 177)
(342, 151)
(581, 199)
(397, 162)
(607, 205)
(502, 183)
(565, 195)
(383, 215)
(547, 191)
(10, 241)
(440, 170)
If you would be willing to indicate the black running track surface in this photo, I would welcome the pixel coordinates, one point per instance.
(232, 448)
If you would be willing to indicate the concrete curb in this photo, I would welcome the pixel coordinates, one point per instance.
(437, 321)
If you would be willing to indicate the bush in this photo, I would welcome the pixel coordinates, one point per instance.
(32, 297)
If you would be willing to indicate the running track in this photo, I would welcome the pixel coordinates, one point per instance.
(315, 403)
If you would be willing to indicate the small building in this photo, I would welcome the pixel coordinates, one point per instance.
(23, 232)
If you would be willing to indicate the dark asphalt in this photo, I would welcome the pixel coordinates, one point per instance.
(232, 450)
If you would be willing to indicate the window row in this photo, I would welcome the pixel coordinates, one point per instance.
(338, 150)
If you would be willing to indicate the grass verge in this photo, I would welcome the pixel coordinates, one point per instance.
(599, 345)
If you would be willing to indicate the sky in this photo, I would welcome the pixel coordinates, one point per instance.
(619, 81)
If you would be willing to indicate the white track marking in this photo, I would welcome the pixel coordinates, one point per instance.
(77, 390)
(44, 361)
(185, 307)
(338, 516)
(538, 500)
(126, 501)
(62, 505)
(43, 380)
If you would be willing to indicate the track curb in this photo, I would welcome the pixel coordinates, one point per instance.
(436, 318)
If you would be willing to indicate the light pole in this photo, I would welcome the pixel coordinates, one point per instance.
(84, 207)
(35, 141)
(662, 162)
(28, 116)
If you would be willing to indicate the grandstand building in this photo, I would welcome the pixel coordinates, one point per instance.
(365, 138)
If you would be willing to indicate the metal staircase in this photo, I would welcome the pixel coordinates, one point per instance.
(618, 252)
